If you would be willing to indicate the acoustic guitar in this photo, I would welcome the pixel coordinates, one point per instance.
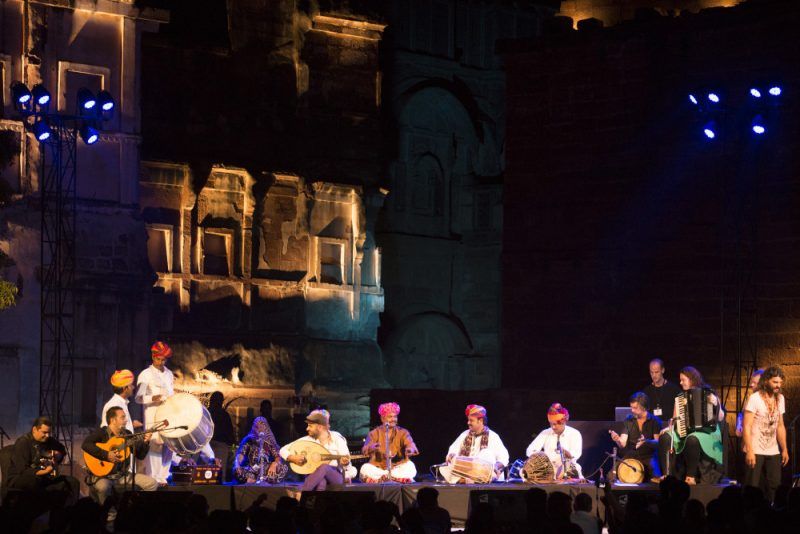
(101, 468)
(315, 455)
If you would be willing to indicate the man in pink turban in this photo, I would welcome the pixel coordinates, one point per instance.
(396, 465)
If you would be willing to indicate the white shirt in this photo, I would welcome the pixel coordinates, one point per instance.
(547, 441)
(118, 402)
(764, 433)
(494, 452)
(338, 445)
(152, 382)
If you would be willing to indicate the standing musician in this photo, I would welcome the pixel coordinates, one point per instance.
(562, 444)
(401, 447)
(121, 474)
(258, 457)
(639, 438)
(660, 392)
(478, 441)
(765, 432)
(319, 431)
(752, 388)
(34, 465)
(685, 455)
(122, 385)
(155, 385)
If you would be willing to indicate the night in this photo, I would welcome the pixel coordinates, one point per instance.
(399, 266)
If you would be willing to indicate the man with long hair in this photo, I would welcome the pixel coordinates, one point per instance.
(765, 432)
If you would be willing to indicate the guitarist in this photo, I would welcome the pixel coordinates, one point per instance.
(120, 474)
(319, 431)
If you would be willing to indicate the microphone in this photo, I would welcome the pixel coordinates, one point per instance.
(439, 465)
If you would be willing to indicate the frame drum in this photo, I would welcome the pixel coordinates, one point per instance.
(184, 409)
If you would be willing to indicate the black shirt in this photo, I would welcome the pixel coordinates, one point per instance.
(27, 454)
(651, 427)
(223, 428)
(663, 397)
(103, 434)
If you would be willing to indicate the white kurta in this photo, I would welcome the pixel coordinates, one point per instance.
(548, 441)
(152, 382)
(494, 452)
(338, 445)
(405, 470)
(116, 402)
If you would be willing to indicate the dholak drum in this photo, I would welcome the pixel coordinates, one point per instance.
(184, 409)
(630, 471)
(472, 468)
(538, 468)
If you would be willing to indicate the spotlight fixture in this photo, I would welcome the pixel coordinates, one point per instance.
(755, 93)
(89, 134)
(41, 130)
(758, 125)
(105, 101)
(775, 90)
(713, 97)
(41, 96)
(86, 100)
(21, 96)
(693, 99)
(710, 130)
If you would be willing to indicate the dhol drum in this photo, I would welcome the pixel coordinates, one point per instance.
(184, 409)
(538, 469)
(474, 469)
(630, 471)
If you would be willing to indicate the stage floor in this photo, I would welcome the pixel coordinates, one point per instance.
(455, 499)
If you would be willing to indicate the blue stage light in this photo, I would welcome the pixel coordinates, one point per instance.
(755, 93)
(693, 99)
(41, 130)
(713, 97)
(40, 95)
(20, 93)
(86, 100)
(775, 90)
(758, 125)
(105, 100)
(710, 133)
(89, 134)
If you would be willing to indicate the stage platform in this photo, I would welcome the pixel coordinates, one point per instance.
(510, 497)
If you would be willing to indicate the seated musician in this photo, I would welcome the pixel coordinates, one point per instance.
(698, 455)
(401, 447)
(34, 465)
(639, 437)
(479, 442)
(562, 444)
(258, 457)
(319, 431)
(121, 474)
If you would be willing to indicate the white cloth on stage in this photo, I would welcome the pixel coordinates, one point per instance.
(548, 442)
(338, 445)
(406, 469)
(117, 402)
(494, 452)
(152, 382)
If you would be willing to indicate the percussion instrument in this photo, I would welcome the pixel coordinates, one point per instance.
(695, 411)
(475, 469)
(184, 409)
(630, 471)
(538, 468)
(315, 455)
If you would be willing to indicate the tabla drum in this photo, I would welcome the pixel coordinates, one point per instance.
(538, 468)
(630, 471)
(473, 468)
(184, 409)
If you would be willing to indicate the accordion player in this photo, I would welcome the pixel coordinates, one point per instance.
(695, 411)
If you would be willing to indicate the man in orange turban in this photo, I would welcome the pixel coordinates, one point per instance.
(122, 385)
(479, 444)
(154, 385)
(401, 447)
(562, 444)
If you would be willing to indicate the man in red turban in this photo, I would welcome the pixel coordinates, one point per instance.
(400, 444)
(477, 446)
(562, 444)
(154, 385)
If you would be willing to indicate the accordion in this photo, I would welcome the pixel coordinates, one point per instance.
(695, 412)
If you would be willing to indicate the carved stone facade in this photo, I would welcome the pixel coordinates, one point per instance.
(443, 223)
